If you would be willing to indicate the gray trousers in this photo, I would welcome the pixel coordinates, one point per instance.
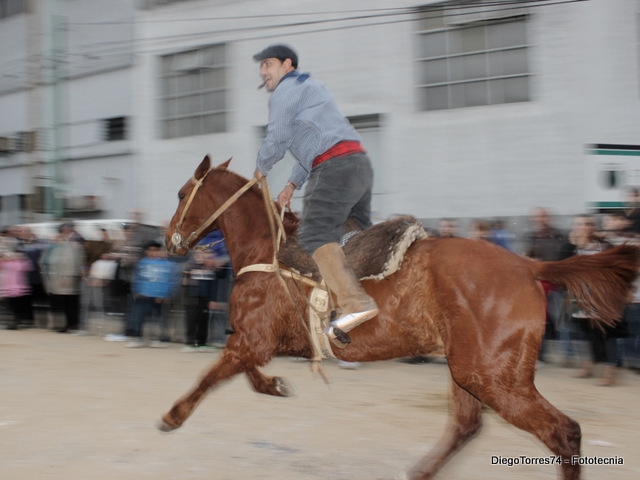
(337, 189)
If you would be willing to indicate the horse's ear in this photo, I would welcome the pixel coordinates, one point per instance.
(203, 168)
(224, 165)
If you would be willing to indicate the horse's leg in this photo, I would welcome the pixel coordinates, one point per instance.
(464, 423)
(276, 386)
(528, 410)
(507, 387)
(228, 365)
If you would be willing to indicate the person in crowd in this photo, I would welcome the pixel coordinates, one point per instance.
(7, 239)
(224, 278)
(448, 228)
(14, 285)
(618, 228)
(615, 228)
(127, 254)
(500, 235)
(544, 242)
(622, 338)
(584, 240)
(62, 266)
(479, 230)
(304, 118)
(154, 282)
(632, 210)
(68, 229)
(32, 247)
(137, 234)
(93, 287)
(201, 294)
(95, 249)
(97, 281)
(630, 339)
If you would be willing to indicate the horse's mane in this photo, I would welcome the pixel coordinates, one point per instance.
(291, 223)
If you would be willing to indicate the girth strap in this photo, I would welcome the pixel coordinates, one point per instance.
(271, 268)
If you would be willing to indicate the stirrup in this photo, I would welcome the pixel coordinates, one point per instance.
(338, 336)
(351, 320)
(337, 330)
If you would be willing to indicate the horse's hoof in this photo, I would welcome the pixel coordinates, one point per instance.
(284, 388)
(164, 427)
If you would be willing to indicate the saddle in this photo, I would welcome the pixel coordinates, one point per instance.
(373, 253)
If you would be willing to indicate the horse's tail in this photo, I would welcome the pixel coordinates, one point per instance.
(601, 283)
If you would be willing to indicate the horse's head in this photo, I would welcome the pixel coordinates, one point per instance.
(192, 220)
(200, 206)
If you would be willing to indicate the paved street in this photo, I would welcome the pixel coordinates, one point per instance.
(78, 407)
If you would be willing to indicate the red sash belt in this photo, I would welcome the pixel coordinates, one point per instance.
(340, 149)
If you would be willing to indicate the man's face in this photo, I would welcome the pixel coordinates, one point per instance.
(540, 219)
(584, 227)
(272, 70)
(447, 228)
(633, 199)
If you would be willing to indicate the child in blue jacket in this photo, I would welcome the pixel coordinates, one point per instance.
(155, 280)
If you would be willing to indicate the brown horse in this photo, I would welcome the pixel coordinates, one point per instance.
(481, 304)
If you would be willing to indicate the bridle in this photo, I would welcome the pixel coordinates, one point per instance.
(176, 239)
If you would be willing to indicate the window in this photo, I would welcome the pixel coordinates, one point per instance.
(194, 92)
(479, 62)
(147, 4)
(6, 145)
(115, 129)
(9, 8)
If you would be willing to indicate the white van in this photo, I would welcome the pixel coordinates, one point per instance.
(92, 229)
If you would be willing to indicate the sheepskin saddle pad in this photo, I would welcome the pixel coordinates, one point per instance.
(372, 253)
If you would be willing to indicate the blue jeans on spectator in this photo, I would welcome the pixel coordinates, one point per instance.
(142, 308)
(631, 344)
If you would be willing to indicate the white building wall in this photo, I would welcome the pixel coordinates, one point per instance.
(498, 160)
(93, 59)
(13, 112)
(501, 160)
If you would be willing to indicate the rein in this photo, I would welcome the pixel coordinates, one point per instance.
(278, 234)
(207, 245)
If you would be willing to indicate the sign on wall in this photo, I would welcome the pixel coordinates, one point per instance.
(612, 170)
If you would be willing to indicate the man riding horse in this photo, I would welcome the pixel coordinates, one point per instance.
(304, 118)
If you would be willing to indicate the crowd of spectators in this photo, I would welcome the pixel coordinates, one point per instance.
(71, 285)
(73, 281)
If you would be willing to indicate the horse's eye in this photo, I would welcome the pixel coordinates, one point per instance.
(180, 196)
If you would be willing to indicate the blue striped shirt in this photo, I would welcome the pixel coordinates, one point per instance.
(303, 118)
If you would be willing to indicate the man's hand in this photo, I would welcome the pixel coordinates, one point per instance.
(284, 198)
(257, 174)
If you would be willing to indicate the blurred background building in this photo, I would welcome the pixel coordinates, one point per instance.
(468, 108)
